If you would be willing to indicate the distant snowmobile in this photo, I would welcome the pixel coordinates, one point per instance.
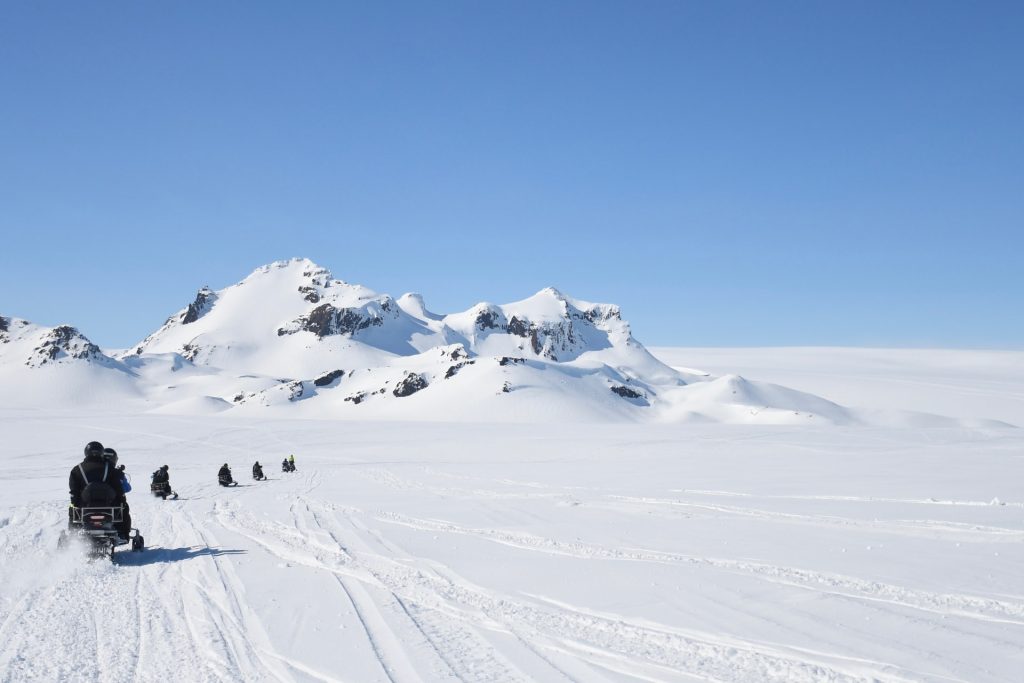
(224, 476)
(257, 472)
(287, 465)
(161, 484)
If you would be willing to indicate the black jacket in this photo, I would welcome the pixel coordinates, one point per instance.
(224, 472)
(96, 470)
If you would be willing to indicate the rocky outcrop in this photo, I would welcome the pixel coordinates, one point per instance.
(204, 301)
(489, 318)
(63, 342)
(409, 385)
(310, 294)
(454, 369)
(5, 325)
(626, 392)
(510, 360)
(328, 378)
(327, 320)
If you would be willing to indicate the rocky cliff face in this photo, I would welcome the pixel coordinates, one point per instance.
(204, 301)
(327, 320)
(64, 342)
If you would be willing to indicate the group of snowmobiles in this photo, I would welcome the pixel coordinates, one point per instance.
(99, 516)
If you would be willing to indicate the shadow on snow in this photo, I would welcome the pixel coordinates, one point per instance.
(157, 555)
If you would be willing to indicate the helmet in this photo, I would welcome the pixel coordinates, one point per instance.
(110, 455)
(225, 465)
(257, 462)
(164, 468)
(93, 450)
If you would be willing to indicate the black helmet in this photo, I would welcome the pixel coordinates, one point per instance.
(164, 468)
(93, 450)
(110, 455)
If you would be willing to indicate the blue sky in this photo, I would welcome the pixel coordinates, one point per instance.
(729, 173)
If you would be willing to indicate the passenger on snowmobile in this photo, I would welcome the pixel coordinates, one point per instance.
(224, 476)
(291, 463)
(98, 510)
(161, 484)
(110, 456)
(94, 482)
(257, 471)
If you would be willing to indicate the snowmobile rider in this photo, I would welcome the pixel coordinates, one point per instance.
(161, 482)
(291, 463)
(110, 456)
(257, 471)
(224, 475)
(94, 469)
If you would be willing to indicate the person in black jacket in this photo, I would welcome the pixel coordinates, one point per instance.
(94, 482)
(110, 456)
(224, 476)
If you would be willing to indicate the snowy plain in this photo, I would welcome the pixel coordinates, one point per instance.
(571, 551)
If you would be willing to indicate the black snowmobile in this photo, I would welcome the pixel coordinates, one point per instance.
(96, 524)
(161, 485)
(257, 472)
(224, 477)
(287, 465)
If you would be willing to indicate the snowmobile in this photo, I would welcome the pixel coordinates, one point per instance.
(257, 473)
(162, 489)
(226, 480)
(97, 527)
(287, 466)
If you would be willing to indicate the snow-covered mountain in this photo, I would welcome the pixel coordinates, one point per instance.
(292, 337)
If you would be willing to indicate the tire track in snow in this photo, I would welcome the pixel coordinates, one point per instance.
(914, 527)
(468, 656)
(360, 611)
(643, 644)
(951, 604)
(854, 499)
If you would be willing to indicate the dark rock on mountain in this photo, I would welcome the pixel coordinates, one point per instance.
(205, 299)
(458, 352)
(507, 360)
(328, 378)
(357, 398)
(5, 324)
(454, 369)
(520, 328)
(296, 390)
(310, 294)
(326, 320)
(189, 351)
(64, 340)
(626, 392)
(489, 318)
(410, 385)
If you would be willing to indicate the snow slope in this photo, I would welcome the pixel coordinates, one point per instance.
(962, 384)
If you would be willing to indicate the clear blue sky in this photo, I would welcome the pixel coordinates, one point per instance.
(760, 173)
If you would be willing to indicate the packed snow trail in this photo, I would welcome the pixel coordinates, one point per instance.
(423, 553)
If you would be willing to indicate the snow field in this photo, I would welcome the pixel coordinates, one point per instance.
(497, 552)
